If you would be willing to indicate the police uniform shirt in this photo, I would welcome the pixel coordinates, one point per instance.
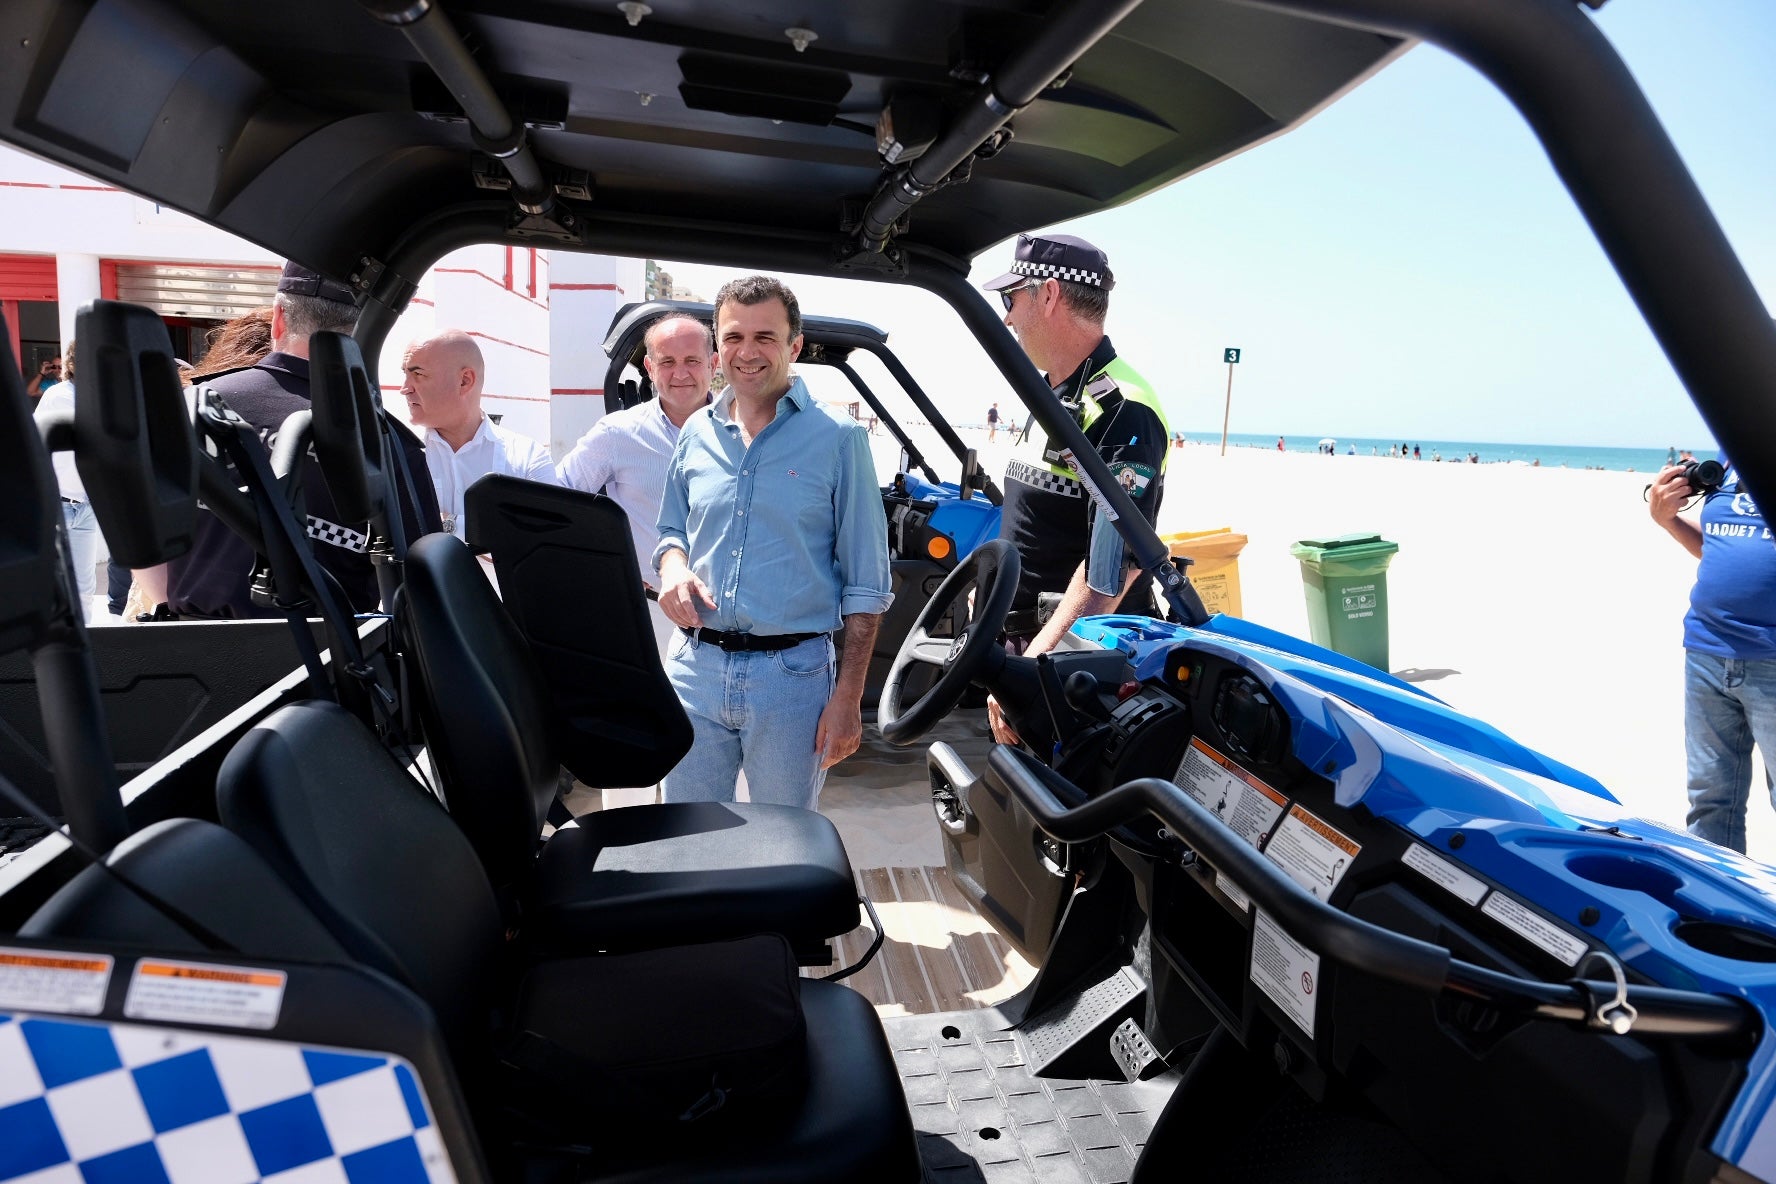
(1047, 516)
(213, 578)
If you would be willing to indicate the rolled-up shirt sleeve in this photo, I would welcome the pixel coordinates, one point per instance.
(861, 539)
(675, 507)
(1104, 560)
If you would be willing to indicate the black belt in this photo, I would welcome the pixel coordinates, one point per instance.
(740, 643)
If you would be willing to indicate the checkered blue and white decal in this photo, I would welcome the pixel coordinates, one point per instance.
(96, 1103)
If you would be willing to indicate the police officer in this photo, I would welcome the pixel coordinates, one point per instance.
(212, 580)
(1056, 297)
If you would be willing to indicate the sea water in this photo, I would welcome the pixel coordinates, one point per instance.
(1639, 460)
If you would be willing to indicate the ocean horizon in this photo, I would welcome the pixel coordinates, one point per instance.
(1571, 456)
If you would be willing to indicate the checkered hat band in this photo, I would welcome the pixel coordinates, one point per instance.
(97, 1101)
(324, 531)
(1076, 275)
(1044, 480)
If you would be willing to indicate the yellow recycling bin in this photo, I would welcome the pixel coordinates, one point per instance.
(1214, 565)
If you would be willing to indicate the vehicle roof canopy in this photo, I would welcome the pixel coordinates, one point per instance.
(325, 137)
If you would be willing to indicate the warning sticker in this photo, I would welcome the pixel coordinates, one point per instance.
(1249, 807)
(1316, 854)
(1534, 928)
(199, 993)
(1444, 874)
(1285, 970)
(1233, 892)
(53, 981)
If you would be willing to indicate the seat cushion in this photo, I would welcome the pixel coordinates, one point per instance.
(641, 877)
(850, 1123)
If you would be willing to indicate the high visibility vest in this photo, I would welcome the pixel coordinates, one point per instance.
(1042, 454)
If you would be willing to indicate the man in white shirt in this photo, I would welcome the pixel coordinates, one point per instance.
(441, 381)
(625, 453)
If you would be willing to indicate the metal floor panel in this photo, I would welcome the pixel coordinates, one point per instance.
(981, 1115)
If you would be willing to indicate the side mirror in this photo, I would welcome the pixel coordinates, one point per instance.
(971, 474)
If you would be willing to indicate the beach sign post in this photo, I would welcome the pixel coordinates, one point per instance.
(1231, 356)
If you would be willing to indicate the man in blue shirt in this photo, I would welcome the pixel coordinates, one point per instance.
(1730, 649)
(771, 535)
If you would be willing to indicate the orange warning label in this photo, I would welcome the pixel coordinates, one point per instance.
(54, 981)
(204, 993)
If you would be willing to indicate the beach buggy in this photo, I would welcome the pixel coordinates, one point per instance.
(1292, 918)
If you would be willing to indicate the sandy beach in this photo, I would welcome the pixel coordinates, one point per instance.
(1543, 601)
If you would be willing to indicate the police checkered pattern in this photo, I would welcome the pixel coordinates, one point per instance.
(1043, 271)
(1046, 480)
(324, 531)
(92, 1103)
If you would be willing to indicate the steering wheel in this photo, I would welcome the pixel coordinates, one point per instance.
(991, 572)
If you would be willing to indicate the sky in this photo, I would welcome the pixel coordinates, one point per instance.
(1404, 265)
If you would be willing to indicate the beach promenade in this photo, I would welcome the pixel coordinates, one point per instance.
(1543, 601)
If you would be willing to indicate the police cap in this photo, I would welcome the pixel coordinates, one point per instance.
(1057, 257)
(298, 280)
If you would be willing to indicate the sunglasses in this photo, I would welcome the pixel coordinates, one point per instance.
(1005, 294)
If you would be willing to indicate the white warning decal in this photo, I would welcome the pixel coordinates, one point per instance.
(1534, 928)
(1315, 854)
(53, 981)
(1233, 892)
(1444, 874)
(1285, 970)
(1249, 807)
(201, 993)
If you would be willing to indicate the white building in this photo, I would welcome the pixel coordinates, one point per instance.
(538, 316)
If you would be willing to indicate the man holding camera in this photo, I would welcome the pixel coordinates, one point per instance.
(1729, 643)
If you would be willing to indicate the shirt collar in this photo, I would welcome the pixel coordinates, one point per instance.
(721, 408)
(1102, 355)
(483, 434)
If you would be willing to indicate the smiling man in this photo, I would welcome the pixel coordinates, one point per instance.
(771, 536)
(441, 379)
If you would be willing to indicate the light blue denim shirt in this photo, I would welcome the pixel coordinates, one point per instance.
(788, 533)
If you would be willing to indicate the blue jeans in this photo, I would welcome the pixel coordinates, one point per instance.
(752, 711)
(83, 547)
(1729, 704)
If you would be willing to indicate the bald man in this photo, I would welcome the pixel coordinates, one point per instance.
(441, 381)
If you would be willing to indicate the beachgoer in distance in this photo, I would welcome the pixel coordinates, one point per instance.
(1671, 455)
(992, 422)
(772, 535)
(441, 379)
(625, 453)
(1415, 453)
(1068, 545)
(1280, 447)
(1729, 649)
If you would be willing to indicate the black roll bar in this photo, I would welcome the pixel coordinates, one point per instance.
(1066, 35)
(915, 458)
(1337, 935)
(1620, 166)
(923, 402)
(496, 133)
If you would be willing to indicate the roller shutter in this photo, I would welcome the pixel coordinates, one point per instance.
(187, 290)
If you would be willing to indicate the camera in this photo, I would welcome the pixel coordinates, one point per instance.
(1704, 476)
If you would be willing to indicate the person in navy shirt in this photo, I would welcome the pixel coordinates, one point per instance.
(1730, 649)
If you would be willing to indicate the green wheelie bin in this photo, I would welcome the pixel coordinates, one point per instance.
(1345, 579)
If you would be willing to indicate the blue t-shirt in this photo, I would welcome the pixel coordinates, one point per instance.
(1733, 605)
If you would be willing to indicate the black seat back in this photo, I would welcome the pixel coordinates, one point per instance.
(370, 854)
(620, 722)
(489, 725)
(203, 871)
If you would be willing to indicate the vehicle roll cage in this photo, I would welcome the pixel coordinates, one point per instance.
(1548, 58)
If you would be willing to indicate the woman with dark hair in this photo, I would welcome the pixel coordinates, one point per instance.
(240, 342)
